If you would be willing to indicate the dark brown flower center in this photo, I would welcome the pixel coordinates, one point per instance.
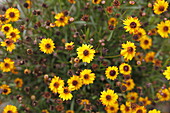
(130, 49)
(112, 108)
(5, 90)
(26, 5)
(161, 8)
(13, 34)
(3, 19)
(108, 97)
(132, 98)
(6, 28)
(127, 108)
(86, 76)
(150, 58)
(66, 91)
(47, 46)
(56, 85)
(164, 95)
(61, 19)
(133, 25)
(9, 111)
(85, 52)
(74, 82)
(12, 14)
(6, 65)
(8, 42)
(139, 111)
(126, 68)
(165, 28)
(112, 72)
(123, 88)
(139, 34)
(146, 42)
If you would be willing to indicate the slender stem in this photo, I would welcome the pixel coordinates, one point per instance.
(112, 56)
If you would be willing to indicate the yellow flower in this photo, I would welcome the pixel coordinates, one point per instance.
(140, 109)
(69, 111)
(138, 34)
(112, 72)
(150, 57)
(65, 93)
(13, 34)
(164, 29)
(167, 73)
(132, 96)
(69, 46)
(152, 32)
(7, 65)
(145, 42)
(28, 4)
(145, 101)
(112, 21)
(56, 82)
(47, 45)
(72, 1)
(108, 97)
(12, 14)
(163, 95)
(129, 83)
(9, 44)
(84, 102)
(125, 69)
(75, 82)
(126, 108)
(96, 1)
(61, 20)
(18, 82)
(44, 111)
(131, 24)
(112, 108)
(139, 56)
(10, 109)
(128, 51)
(86, 53)
(3, 19)
(6, 28)
(5, 89)
(154, 111)
(160, 6)
(87, 77)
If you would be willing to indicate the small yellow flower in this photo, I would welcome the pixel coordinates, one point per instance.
(111, 72)
(56, 82)
(126, 108)
(145, 42)
(140, 109)
(86, 53)
(5, 89)
(75, 82)
(163, 95)
(112, 108)
(154, 111)
(160, 6)
(72, 1)
(9, 44)
(164, 29)
(18, 82)
(61, 20)
(7, 65)
(12, 14)
(69, 46)
(87, 76)
(125, 69)
(65, 93)
(13, 34)
(167, 73)
(150, 57)
(132, 96)
(6, 28)
(145, 101)
(96, 1)
(129, 84)
(10, 109)
(47, 45)
(112, 21)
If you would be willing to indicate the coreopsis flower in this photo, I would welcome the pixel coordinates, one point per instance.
(126, 108)
(154, 111)
(112, 21)
(145, 101)
(139, 56)
(145, 42)
(132, 96)
(13, 34)
(61, 20)
(87, 76)
(125, 69)
(160, 6)
(72, 1)
(9, 44)
(164, 28)
(84, 101)
(96, 1)
(10, 109)
(140, 109)
(18, 82)
(75, 82)
(47, 45)
(44, 111)
(152, 32)
(128, 51)
(12, 14)
(86, 53)
(131, 24)
(138, 34)
(150, 57)
(111, 72)
(65, 93)
(28, 4)
(7, 65)
(56, 82)
(112, 108)
(3, 19)
(167, 73)
(69, 46)
(129, 84)
(163, 95)
(108, 97)
(5, 89)
(6, 28)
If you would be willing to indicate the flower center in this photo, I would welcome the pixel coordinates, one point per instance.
(112, 72)
(133, 25)
(130, 49)
(74, 83)
(61, 19)
(47, 46)
(13, 34)
(56, 85)
(9, 111)
(127, 108)
(139, 111)
(5, 90)
(135, 37)
(151, 58)
(165, 28)
(26, 5)
(108, 97)
(126, 68)
(85, 52)
(12, 14)
(161, 8)
(8, 42)
(6, 28)
(146, 42)
(164, 95)
(112, 108)
(6, 65)
(86, 76)
(132, 98)
(66, 91)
